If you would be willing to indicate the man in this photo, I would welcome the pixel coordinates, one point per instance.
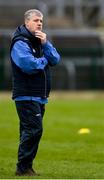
(31, 57)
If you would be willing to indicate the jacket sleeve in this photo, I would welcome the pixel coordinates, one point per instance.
(51, 53)
(22, 56)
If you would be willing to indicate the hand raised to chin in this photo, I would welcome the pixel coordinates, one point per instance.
(42, 36)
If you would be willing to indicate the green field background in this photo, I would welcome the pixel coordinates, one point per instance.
(63, 152)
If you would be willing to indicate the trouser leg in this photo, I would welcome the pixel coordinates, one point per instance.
(30, 114)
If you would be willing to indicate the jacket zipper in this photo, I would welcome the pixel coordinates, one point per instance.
(45, 83)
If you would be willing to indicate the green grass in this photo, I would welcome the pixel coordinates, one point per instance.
(63, 153)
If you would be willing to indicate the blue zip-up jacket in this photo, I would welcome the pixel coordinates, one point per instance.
(30, 64)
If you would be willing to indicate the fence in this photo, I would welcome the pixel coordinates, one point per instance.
(79, 74)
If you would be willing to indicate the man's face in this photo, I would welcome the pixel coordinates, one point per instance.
(34, 23)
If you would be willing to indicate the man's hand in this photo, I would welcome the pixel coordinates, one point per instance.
(41, 36)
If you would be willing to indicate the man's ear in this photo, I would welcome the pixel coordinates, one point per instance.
(26, 22)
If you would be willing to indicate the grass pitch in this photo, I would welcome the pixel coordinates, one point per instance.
(63, 152)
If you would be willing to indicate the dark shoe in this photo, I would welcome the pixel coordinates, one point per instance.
(28, 172)
(36, 174)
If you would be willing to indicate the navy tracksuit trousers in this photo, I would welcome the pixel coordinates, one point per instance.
(30, 114)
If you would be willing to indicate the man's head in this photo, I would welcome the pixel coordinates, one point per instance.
(33, 20)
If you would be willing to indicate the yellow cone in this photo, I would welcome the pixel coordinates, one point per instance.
(84, 131)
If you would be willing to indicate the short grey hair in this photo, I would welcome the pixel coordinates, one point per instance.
(28, 13)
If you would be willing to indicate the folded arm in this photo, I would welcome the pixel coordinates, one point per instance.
(50, 53)
(22, 56)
